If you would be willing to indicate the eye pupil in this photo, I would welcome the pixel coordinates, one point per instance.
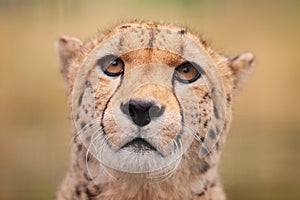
(114, 63)
(185, 69)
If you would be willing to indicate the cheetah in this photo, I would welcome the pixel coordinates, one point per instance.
(151, 106)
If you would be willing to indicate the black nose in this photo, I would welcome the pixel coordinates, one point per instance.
(141, 112)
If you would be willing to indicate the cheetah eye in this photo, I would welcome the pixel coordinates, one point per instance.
(111, 65)
(187, 73)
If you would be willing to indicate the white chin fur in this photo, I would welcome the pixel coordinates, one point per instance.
(130, 161)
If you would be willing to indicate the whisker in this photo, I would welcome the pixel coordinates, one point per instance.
(163, 175)
(86, 127)
(102, 144)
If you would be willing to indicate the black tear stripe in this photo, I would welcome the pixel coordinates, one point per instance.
(178, 137)
(216, 112)
(80, 98)
(106, 105)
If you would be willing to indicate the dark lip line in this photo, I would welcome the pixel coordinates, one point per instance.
(139, 139)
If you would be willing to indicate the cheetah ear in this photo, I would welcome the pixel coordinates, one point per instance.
(241, 66)
(67, 48)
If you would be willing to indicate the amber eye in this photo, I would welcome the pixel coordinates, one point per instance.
(187, 73)
(111, 65)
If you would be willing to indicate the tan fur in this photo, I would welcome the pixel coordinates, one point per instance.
(150, 52)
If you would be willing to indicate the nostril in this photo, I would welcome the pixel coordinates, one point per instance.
(125, 108)
(156, 111)
(131, 111)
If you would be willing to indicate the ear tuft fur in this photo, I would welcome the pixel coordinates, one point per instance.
(241, 66)
(67, 48)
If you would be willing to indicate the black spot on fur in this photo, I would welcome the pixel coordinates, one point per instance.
(202, 139)
(87, 83)
(212, 134)
(80, 99)
(228, 98)
(204, 166)
(205, 123)
(82, 125)
(200, 194)
(182, 32)
(125, 26)
(77, 191)
(216, 112)
(212, 90)
(206, 96)
(213, 184)
(204, 151)
(205, 187)
(204, 42)
(79, 147)
(218, 130)
(77, 117)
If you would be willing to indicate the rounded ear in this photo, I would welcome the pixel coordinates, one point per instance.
(241, 66)
(67, 48)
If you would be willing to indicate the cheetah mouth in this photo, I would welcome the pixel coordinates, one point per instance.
(139, 145)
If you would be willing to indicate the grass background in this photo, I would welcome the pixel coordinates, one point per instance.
(261, 159)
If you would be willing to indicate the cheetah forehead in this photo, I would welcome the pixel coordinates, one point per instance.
(129, 37)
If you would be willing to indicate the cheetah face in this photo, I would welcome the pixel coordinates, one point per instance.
(142, 95)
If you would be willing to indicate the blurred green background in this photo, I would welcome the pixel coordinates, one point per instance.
(261, 159)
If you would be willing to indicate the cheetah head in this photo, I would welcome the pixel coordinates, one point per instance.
(144, 95)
